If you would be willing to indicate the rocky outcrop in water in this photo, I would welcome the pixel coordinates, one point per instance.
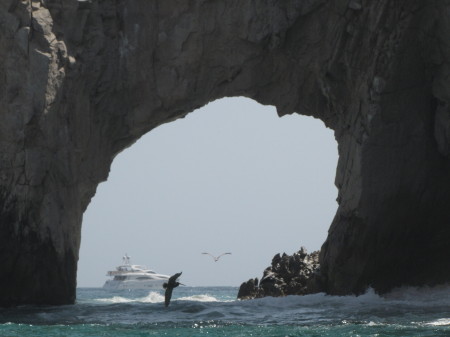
(296, 274)
(83, 80)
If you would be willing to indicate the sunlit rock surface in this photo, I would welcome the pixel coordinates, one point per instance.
(83, 80)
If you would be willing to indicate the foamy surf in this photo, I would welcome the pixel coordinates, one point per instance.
(152, 297)
(199, 298)
(440, 322)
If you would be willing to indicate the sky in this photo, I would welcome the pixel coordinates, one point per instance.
(229, 177)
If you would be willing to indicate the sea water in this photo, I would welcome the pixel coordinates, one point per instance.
(214, 311)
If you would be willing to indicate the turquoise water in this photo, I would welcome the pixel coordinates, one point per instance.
(214, 311)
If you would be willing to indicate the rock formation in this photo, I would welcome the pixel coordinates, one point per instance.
(298, 274)
(83, 80)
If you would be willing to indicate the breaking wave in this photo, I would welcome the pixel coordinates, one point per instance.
(155, 297)
(152, 297)
(199, 298)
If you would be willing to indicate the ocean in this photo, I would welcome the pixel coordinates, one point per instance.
(214, 311)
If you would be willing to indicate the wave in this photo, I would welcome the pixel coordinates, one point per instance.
(152, 297)
(405, 297)
(199, 298)
(439, 322)
(155, 297)
(404, 306)
(409, 296)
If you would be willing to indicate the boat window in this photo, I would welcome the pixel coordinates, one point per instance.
(120, 277)
(143, 278)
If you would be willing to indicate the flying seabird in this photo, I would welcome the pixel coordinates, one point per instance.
(172, 283)
(218, 257)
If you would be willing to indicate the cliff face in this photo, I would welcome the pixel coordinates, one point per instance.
(83, 80)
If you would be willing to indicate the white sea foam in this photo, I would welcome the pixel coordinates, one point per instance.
(199, 298)
(439, 322)
(371, 323)
(115, 299)
(152, 297)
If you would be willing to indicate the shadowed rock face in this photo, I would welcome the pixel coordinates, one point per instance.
(296, 274)
(83, 80)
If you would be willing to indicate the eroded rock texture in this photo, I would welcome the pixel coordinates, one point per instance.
(83, 80)
(296, 274)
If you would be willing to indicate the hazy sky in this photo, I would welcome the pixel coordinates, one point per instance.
(231, 176)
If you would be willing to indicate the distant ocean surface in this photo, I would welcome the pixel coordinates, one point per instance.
(214, 311)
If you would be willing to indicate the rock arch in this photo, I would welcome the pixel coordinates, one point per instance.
(83, 80)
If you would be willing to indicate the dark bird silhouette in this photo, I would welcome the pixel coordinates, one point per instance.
(172, 283)
(216, 258)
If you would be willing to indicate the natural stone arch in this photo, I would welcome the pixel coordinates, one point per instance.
(84, 79)
(222, 178)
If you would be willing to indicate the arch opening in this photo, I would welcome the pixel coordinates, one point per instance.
(232, 176)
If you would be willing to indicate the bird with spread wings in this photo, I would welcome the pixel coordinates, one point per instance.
(172, 283)
(216, 258)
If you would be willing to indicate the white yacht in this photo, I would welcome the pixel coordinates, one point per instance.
(132, 276)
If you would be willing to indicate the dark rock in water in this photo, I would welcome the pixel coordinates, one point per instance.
(83, 80)
(248, 289)
(297, 274)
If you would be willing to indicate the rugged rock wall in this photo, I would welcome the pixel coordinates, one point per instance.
(83, 80)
